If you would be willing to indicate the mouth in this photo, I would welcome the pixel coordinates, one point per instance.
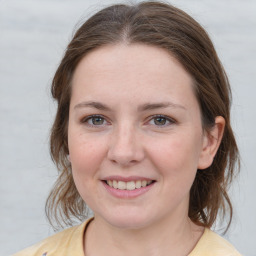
(129, 185)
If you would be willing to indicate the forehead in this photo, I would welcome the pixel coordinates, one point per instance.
(139, 70)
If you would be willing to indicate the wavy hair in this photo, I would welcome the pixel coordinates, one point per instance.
(165, 26)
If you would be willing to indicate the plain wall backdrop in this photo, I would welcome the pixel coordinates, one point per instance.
(33, 36)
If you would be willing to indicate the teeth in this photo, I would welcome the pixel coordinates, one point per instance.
(130, 185)
(121, 185)
(138, 184)
(115, 185)
(144, 183)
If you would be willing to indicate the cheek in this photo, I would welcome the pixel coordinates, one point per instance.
(177, 158)
(85, 154)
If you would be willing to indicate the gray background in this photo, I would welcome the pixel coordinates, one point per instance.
(33, 35)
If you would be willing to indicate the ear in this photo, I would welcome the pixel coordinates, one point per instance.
(211, 142)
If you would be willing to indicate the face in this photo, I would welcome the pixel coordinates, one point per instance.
(135, 135)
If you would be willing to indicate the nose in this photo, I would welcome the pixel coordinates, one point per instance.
(125, 147)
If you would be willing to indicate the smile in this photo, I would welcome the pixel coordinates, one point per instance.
(130, 185)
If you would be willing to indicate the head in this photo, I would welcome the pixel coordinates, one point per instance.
(164, 27)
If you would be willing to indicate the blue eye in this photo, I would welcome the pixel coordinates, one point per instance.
(95, 120)
(160, 120)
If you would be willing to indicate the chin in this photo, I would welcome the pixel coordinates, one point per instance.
(128, 220)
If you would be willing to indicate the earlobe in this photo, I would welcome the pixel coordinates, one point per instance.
(211, 143)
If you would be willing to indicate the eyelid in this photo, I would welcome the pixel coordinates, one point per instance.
(84, 120)
(169, 119)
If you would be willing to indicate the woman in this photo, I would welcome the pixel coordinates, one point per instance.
(142, 136)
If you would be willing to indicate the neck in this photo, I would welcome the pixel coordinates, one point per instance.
(177, 240)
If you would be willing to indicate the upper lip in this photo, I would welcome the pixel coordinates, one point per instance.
(126, 179)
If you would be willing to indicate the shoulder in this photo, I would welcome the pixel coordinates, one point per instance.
(62, 243)
(211, 244)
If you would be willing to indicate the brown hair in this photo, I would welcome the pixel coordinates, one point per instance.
(164, 26)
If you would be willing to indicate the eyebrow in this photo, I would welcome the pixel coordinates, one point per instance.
(141, 108)
(93, 104)
(152, 106)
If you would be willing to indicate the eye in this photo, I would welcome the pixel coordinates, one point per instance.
(160, 120)
(95, 120)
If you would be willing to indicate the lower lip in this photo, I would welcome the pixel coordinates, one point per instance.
(119, 193)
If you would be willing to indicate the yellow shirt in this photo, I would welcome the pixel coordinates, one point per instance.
(70, 243)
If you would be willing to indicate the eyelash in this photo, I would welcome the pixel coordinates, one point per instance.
(152, 118)
(167, 119)
(86, 120)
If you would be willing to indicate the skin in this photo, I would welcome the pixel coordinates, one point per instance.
(127, 139)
